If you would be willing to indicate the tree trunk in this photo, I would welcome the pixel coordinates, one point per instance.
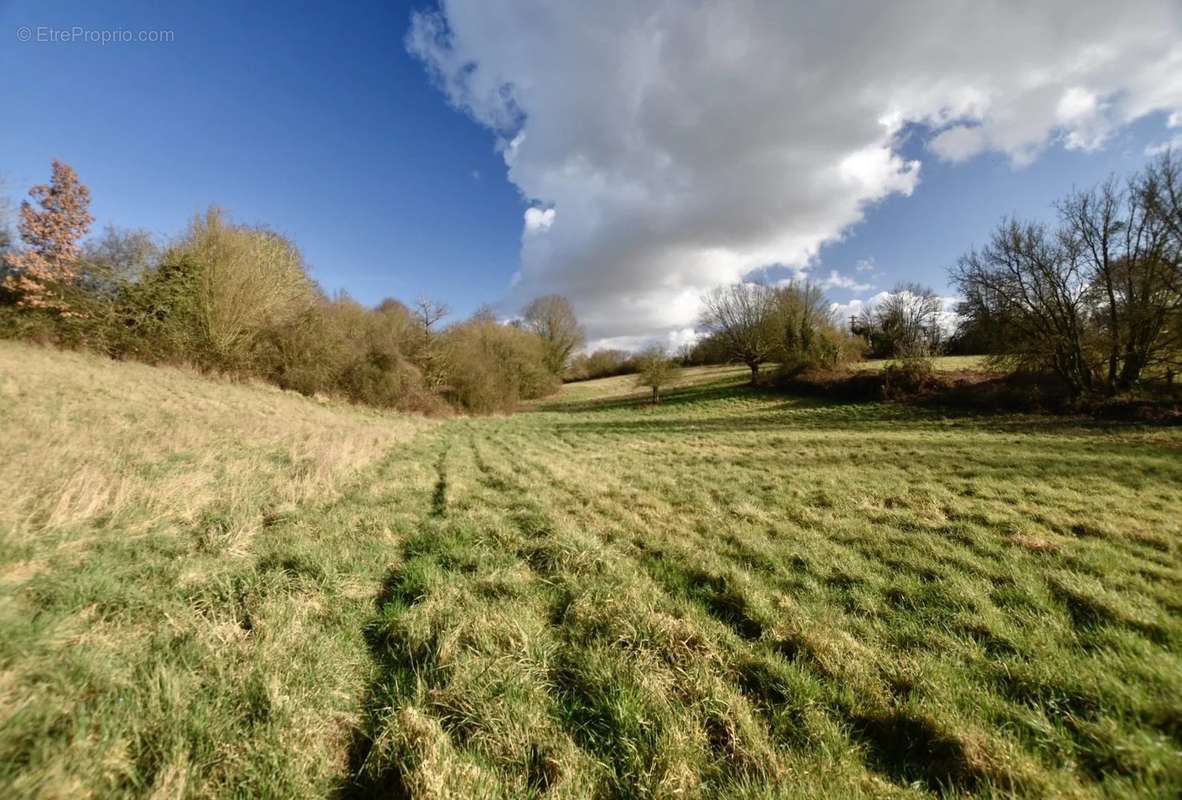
(754, 373)
(1134, 363)
(656, 395)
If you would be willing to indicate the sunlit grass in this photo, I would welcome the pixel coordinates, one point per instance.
(735, 593)
(939, 364)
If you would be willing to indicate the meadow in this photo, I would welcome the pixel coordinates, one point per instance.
(939, 364)
(209, 589)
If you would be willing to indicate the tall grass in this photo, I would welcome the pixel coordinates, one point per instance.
(88, 440)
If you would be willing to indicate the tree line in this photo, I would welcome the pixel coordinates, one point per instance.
(238, 299)
(1094, 300)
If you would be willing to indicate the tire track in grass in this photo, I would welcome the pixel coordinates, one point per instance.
(759, 664)
(594, 705)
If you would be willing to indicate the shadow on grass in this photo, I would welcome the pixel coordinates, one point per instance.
(368, 780)
(678, 396)
(910, 749)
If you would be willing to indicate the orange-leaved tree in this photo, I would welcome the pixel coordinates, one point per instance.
(51, 231)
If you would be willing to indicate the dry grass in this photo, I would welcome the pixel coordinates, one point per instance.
(87, 438)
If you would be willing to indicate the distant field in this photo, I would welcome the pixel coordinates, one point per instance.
(734, 594)
(939, 363)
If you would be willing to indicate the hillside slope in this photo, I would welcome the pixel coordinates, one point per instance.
(734, 594)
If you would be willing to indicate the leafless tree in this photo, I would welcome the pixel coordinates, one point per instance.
(552, 317)
(743, 318)
(118, 256)
(427, 354)
(1030, 282)
(1124, 250)
(1098, 300)
(905, 323)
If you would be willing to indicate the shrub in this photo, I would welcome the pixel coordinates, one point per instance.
(492, 367)
(656, 371)
(600, 364)
(907, 377)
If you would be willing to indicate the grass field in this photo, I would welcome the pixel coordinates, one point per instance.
(733, 594)
(939, 364)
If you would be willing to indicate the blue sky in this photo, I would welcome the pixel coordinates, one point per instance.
(319, 125)
(318, 122)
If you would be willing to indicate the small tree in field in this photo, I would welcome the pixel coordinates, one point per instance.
(657, 370)
(51, 231)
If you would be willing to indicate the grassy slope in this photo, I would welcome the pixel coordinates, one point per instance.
(731, 594)
(939, 364)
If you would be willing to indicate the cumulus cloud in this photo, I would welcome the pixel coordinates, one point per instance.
(683, 145)
(669, 341)
(538, 220)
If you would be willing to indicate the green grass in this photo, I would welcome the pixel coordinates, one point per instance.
(734, 594)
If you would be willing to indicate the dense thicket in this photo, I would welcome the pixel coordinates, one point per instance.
(238, 299)
(604, 363)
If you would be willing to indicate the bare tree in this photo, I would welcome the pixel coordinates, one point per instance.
(906, 323)
(1160, 188)
(5, 232)
(427, 354)
(427, 313)
(1031, 284)
(743, 318)
(1124, 249)
(552, 317)
(118, 256)
(1098, 300)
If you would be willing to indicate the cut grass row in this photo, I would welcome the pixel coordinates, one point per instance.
(735, 594)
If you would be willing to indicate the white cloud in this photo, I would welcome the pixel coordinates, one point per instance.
(866, 265)
(1161, 147)
(835, 280)
(959, 143)
(538, 220)
(685, 145)
(670, 341)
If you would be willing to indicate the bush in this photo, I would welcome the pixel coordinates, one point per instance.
(907, 378)
(339, 347)
(656, 371)
(600, 364)
(492, 367)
